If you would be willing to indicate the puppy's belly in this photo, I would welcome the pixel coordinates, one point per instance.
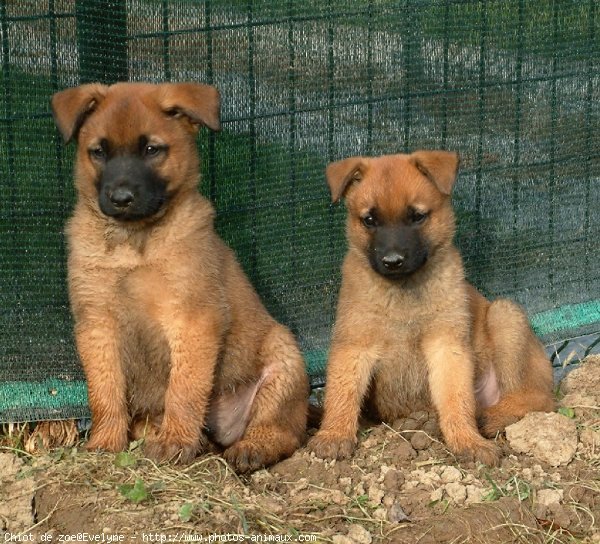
(144, 348)
(146, 361)
(487, 390)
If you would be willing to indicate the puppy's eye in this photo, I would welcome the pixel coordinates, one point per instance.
(151, 150)
(369, 221)
(98, 153)
(418, 217)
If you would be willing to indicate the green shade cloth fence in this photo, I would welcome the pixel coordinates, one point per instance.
(513, 85)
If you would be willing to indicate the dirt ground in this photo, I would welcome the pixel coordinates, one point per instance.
(402, 485)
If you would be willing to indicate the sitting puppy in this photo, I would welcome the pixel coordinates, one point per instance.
(172, 337)
(410, 331)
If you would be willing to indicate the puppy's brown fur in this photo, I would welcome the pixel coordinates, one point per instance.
(408, 339)
(171, 334)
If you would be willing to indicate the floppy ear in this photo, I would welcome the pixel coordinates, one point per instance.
(341, 174)
(199, 103)
(441, 167)
(71, 107)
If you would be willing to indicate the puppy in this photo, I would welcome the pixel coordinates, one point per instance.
(173, 339)
(410, 331)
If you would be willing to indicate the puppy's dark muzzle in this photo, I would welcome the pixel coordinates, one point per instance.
(397, 251)
(130, 190)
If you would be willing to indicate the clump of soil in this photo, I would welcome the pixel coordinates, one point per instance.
(16, 495)
(402, 485)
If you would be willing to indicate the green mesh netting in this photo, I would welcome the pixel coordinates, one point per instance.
(513, 85)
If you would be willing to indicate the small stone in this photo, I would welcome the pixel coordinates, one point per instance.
(402, 451)
(548, 437)
(393, 480)
(560, 515)
(409, 424)
(335, 496)
(423, 456)
(549, 496)
(380, 514)
(584, 378)
(456, 492)
(420, 441)
(431, 478)
(431, 427)
(474, 494)
(437, 494)
(396, 514)
(451, 474)
(375, 494)
(428, 478)
(359, 534)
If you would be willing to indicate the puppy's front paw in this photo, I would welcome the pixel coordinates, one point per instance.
(163, 449)
(483, 451)
(107, 441)
(248, 455)
(331, 445)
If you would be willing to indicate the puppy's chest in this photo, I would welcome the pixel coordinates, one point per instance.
(401, 345)
(403, 318)
(402, 313)
(125, 273)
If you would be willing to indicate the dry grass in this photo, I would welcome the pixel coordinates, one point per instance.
(128, 493)
(208, 496)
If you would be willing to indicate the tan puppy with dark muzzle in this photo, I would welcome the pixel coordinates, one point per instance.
(410, 331)
(172, 337)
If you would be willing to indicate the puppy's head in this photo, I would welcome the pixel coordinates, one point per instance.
(136, 142)
(399, 210)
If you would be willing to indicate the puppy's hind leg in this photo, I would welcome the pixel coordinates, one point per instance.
(523, 371)
(278, 413)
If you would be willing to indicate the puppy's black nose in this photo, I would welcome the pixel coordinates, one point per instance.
(393, 260)
(121, 197)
